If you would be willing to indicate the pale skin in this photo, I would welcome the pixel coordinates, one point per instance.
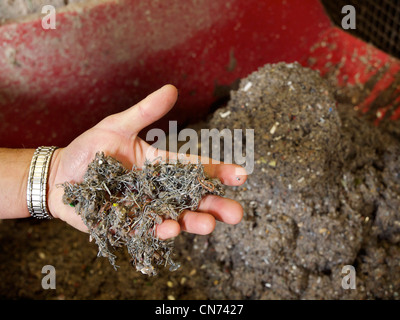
(117, 136)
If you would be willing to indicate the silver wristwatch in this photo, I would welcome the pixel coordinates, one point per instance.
(36, 194)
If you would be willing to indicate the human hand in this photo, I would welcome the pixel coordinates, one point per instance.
(117, 136)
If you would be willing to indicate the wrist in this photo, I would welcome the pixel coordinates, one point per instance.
(25, 159)
(14, 172)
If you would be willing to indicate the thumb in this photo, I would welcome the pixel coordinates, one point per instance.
(144, 113)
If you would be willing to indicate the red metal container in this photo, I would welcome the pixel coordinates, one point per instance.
(106, 55)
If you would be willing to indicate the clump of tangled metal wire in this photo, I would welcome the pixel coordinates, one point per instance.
(122, 207)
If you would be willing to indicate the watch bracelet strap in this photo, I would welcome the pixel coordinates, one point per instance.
(36, 194)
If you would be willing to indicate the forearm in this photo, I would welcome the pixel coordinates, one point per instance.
(14, 172)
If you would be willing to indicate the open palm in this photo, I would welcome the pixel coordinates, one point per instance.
(117, 136)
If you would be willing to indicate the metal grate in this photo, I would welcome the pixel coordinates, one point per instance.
(377, 21)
